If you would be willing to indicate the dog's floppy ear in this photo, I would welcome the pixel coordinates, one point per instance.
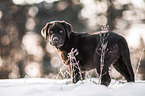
(68, 27)
(44, 32)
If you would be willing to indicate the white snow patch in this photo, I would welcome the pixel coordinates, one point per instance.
(53, 87)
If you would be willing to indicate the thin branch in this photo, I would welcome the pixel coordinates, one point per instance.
(139, 63)
(103, 37)
(74, 63)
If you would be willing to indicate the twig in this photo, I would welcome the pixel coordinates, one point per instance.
(63, 74)
(139, 63)
(103, 50)
(74, 63)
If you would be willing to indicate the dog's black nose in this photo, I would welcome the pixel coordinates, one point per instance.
(55, 40)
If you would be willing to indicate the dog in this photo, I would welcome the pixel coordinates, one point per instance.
(60, 34)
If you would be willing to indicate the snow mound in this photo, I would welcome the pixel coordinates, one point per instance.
(53, 87)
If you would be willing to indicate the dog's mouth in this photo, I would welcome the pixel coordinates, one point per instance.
(57, 45)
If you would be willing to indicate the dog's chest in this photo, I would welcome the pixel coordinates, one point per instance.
(82, 57)
(64, 57)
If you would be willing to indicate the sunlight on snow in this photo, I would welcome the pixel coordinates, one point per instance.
(89, 11)
(55, 60)
(30, 24)
(62, 5)
(1, 61)
(1, 14)
(33, 11)
(23, 2)
(33, 69)
(135, 33)
(31, 42)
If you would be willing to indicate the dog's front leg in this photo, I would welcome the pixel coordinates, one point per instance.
(105, 77)
(75, 74)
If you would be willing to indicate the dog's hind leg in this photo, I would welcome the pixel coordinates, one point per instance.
(121, 67)
(124, 61)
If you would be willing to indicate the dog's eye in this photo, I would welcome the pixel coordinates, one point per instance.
(50, 32)
(61, 31)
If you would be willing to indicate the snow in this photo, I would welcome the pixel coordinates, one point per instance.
(53, 87)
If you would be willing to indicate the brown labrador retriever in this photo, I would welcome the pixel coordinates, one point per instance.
(61, 36)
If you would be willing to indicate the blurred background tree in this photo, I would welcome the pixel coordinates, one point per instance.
(23, 51)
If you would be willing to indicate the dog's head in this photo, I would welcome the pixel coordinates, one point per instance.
(56, 32)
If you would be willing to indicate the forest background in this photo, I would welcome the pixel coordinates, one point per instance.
(24, 52)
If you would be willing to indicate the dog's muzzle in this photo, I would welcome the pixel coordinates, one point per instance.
(56, 42)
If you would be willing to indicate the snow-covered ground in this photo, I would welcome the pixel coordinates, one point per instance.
(52, 87)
